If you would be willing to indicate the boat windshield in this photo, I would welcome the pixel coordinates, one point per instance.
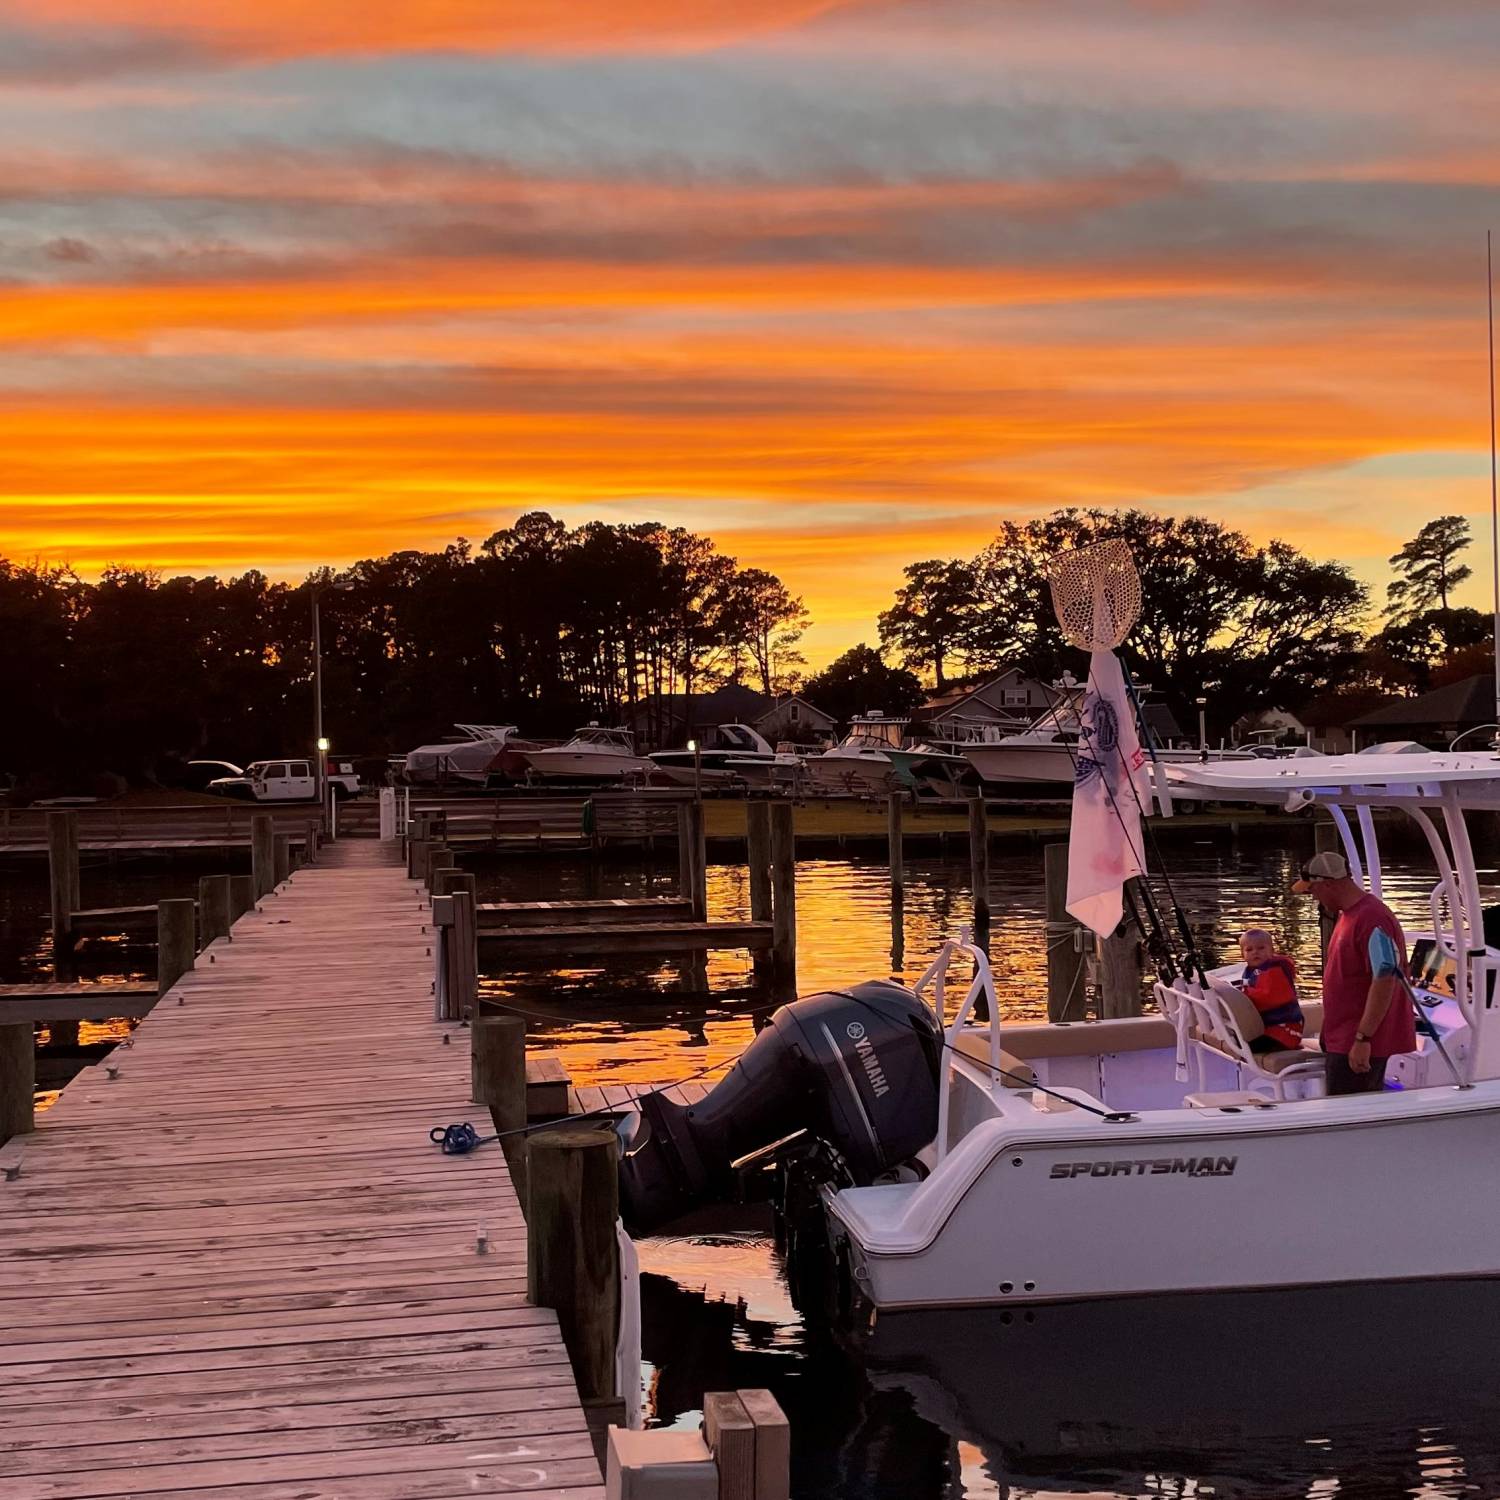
(592, 734)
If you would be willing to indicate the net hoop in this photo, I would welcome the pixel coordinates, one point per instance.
(1096, 594)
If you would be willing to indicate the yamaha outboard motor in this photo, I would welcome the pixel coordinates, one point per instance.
(858, 1069)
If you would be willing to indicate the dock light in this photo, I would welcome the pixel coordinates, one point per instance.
(323, 744)
(693, 745)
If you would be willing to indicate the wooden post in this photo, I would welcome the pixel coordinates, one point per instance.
(17, 1079)
(1120, 971)
(684, 851)
(175, 948)
(730, 1435)
(443, 877)
(698, 844)
(497, 1076)
(572, 1256)
(281, 857)
(215, 903)
(463, 954)
(758, 857)
(310, 843)
(241, 896)
(63, 883)
(893, 841)
(416, 858)
(439, 857)
(1326, 837)
(1065, 958)
(263, 853)
(784, 898)
(979, 869)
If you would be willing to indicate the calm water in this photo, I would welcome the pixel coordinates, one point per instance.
(1358, 1392)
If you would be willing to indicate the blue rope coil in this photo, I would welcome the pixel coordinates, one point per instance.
(458, 1140)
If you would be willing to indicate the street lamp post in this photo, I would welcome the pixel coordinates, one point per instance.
(320, 741)
(1202, 727)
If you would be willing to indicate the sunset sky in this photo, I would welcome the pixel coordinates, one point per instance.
(842, 284)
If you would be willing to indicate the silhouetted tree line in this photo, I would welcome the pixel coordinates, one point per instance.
(542, 625)
(1247, 626)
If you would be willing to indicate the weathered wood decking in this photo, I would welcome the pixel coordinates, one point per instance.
(241, 1270)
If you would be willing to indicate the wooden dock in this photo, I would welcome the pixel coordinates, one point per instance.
(240, 1269)
(559, 945)
(57, 1001)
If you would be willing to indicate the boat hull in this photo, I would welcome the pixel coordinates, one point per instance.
(848, 773)
(584, 765)
(1389, 1187)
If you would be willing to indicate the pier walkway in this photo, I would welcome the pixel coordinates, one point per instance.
(238, 1270)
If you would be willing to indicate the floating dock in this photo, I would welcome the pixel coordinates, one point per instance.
(237, 1269)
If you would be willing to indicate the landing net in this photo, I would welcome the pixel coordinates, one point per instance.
(1096, 594)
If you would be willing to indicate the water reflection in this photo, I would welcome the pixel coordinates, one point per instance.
(629, 1020)
(1347, 1391)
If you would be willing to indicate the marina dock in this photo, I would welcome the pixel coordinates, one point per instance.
(233, 1263)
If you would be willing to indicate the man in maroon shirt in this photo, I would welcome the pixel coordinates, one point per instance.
(1366, 1020)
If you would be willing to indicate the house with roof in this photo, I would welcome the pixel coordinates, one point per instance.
(1006, 698)
(1434, 719)
(666, 720)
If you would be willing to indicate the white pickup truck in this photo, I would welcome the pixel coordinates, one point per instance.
(286, 781)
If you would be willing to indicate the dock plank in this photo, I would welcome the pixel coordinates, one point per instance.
(240, 1270)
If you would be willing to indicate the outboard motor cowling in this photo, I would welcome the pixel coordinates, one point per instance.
(857, 1068)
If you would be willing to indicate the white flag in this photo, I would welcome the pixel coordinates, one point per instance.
(1109, 791)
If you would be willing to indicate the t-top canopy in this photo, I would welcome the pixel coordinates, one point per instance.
(1335, 773)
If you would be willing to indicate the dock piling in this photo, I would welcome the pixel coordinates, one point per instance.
(64, 885)
(1066, 960)
(176, 923)
(17, 1079)
(1120, 972)
(572, 1255)
(784, 899)
(497, 1068)
(215, 906)
(241, 896)
(979, 869)
(894, 808)
(281, 857)
(758, 857)
(263, 854)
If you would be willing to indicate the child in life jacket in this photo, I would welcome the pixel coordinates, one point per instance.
(1270, 983)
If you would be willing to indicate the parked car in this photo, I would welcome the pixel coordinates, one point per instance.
(286, 781)
(199, 775)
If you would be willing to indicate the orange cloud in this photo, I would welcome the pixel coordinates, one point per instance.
(289, 28)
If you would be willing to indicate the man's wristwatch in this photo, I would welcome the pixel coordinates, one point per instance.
(1359, 1036)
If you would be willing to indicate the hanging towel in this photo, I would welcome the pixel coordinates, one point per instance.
(1109, 790)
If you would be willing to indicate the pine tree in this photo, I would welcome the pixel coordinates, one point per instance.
(1429, 572)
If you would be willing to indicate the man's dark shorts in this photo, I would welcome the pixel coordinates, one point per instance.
(1342, 1079)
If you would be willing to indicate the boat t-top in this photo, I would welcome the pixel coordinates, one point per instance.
(861, 761)
(953, 1161)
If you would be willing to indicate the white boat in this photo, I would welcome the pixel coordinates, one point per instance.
(470, 758)
(728, 755)
(593, 754)
(1038, 763)
(998, 1164)
(860, 762)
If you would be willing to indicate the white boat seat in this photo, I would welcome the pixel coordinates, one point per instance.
(1090, 1038)
(975, 1042)
(1279, 1062)
(1244, 1014)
